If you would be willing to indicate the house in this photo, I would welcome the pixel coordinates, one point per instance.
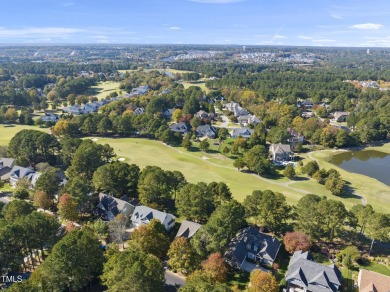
(49, 117)
(206, 131)
(6, 165)
(188, 229)
(74, 110)
(19, 172)
(109, 207)
(280, 152)
(369, 281)
(295, 137)
(204, 115)
(248, 119)
(340, 116)
(139, 111)
(142, 215)
(307, 115)
(251, 247)
(181, 127)
(138, 91)
(168, 113)
(305, 104)
(236, 109)
(304, 274)
(241, 132)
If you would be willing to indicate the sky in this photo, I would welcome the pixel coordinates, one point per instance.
(342, 23)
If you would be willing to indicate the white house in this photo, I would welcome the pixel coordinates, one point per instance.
(142, 215)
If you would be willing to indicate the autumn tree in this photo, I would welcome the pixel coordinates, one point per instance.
(296, 240)
(199, 281)
(262, 282)
(151, 238)
(215, 268)
(67, 207)
(182, 256)
(42, 200)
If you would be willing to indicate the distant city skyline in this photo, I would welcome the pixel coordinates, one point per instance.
(341, 23)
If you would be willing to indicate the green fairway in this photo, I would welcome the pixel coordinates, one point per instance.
(202, 85)
(7, 132)
(102, 89)
(200, 166)
(374, 192)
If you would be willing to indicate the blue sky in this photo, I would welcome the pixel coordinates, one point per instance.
(249, 22)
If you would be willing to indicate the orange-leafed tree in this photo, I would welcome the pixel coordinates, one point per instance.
(215, 268)
(296, 240)
(42, 200)
(67, 207)
(262, 282)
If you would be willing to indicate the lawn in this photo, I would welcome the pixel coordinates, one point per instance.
(374, 192)
(102, 89)
(212, 166)
(202, 85)
(7, 132)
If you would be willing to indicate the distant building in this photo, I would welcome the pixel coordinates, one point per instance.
(109, 207)
(49, 117)
(241, 132)
(206, 131)
(340, 116)
(181, 127)
(281, 152)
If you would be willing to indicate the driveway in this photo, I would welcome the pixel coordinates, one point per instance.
(249, 267)
(173, 281)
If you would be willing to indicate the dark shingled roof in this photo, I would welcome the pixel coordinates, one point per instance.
(313, 276)
(253, 241)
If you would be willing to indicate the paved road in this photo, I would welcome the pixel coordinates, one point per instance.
(173, 281)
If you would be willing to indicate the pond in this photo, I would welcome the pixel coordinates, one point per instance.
(372, 163)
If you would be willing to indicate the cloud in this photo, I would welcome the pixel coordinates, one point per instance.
(217, 1)
(323, 41)
(175, 27)
(304, 37)
(45, 32)
(278, 36)
(336, 16)
(367, 26)
(68, 4)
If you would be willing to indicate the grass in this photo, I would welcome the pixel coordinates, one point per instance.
(202, 85)
(102, 89)
(212, 166)
(376, 193)
(7, 132)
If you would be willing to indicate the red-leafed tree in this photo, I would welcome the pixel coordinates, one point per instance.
(67, 207)
(215, 268)
(296, 240)
(42, 200)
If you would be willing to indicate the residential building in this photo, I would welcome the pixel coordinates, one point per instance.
(340, 116)
(50, 117)
(188, 229)
(139, 111)
(181, 127)
(307, 115)
(19, 172)
(109, 207)
(241, 132)
(236, 109)
(206, 131)
(304, 274)
(295, 137)
(204, 115)
(281, 152)
(369, 281)
(250, 247)
(248, 119)
(168, 113)
(6, 165)
(142, 215)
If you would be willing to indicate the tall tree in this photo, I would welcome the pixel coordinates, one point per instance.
(294, 241)
(133, 270)
(182, 256)
(215, 268)
(48, 182)
(262, 282)
(67, 207)
(16, 209)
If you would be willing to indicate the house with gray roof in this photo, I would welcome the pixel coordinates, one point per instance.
(340, 116)
(109, 207)
(6, 165)
(142, 215)
(19, 172)
(241, 132)
(304, 274)
(280, 152)
(188, 229)
(50, 117)
(181, 127)
(206, 131)
(248, 119)
(250, 248)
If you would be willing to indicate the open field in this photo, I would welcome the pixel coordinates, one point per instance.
(202, 85)
(374, 192)
(7, 132)
(199, 166)
(102, 89)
